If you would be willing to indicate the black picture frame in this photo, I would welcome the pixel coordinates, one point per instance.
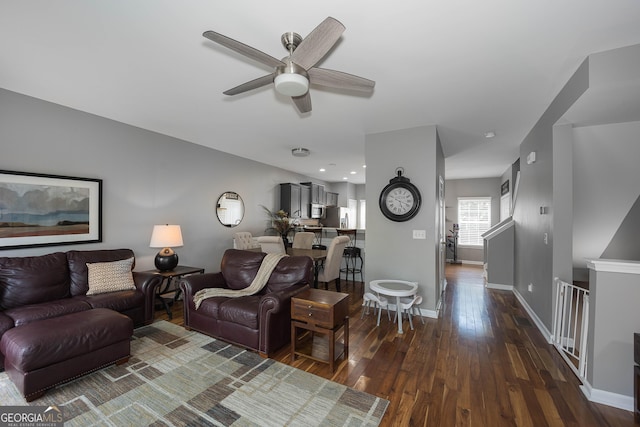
(47, 210)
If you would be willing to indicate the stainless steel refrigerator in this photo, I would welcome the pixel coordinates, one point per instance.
(336, 217)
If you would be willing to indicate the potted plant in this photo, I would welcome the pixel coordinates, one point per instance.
(280, 223)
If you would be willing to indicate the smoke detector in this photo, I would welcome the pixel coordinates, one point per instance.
(300, 152)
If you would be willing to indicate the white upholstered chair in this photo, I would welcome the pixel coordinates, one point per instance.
(408, 305)
(271, 244)
(331, 269)
(378, 302)
(244, 240)
(303, 240)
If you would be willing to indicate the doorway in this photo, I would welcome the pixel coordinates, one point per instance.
(441, 282)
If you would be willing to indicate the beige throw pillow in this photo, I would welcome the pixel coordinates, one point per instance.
(110, 276)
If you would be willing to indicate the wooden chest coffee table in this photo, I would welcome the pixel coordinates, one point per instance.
(322, 312)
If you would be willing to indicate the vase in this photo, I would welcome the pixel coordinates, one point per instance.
(285, 240)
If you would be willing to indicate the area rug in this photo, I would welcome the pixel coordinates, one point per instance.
(177, 377)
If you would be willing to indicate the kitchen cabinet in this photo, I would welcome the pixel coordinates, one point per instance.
(332, 198)
(317, 193)
(305, 202)
(290, 199)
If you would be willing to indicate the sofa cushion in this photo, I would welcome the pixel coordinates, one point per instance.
(111, 276)
(243, 311)
(239, 268)
(78, 265)
(211, 306)
(6, 323)
(32, 280)
(119, 301)
(34, 312)
(41, 344)
(288, 273)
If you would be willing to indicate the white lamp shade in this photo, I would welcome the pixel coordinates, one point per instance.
(166, 236)
(291, 84)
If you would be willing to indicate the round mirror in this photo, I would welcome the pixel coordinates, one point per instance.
(230, 209)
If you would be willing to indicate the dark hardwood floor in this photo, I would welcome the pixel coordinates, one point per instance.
(481, 363)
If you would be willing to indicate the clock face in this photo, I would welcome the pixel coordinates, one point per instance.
(400, 201)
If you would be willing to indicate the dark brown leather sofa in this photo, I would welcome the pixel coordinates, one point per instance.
(260, 322)
(54, 285)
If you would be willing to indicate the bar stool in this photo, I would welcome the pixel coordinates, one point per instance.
(317, 242)
(351, 254)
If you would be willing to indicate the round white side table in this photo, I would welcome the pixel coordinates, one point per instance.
(395, 288)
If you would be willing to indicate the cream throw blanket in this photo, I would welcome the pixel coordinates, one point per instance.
(269, 263)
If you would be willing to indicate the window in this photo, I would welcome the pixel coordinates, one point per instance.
(474, 218)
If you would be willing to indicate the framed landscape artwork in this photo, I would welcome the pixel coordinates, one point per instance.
(45, 210)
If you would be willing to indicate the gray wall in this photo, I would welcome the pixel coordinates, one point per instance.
(392, 253)
(148, 178)
(606, 193)
(614, 321)
(346, 191)
(481, 187)
(535, 191)
(584, 174)
(562, 204)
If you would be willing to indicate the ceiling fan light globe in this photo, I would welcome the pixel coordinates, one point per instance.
(291, 84)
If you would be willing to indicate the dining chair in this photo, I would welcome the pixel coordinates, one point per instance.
(407, 305)
(303, 240)
(379, 302)
(244, 240)
(331, 269)
(271, 244)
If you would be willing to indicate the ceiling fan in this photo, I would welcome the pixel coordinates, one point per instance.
(293, 74)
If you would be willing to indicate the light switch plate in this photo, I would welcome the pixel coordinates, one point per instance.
(419, 234)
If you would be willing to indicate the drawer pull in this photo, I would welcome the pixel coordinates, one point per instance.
(309, 306)
(310, 314)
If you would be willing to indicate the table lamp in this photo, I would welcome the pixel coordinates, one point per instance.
(166, 236)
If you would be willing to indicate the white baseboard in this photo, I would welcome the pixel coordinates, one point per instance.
(429, 313)
(594, 395)
(423, 312)
(499, 286)
(539, 324)
(607, 398)
(464, 261)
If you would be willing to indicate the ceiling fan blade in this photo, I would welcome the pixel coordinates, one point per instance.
(250, 85)
(243, 49)
(340, 80)
(302, 102)
(317, 43)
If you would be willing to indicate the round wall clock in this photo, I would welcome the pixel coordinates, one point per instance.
(400, 200)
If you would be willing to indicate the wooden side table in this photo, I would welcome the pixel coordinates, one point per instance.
(169, 286)
(324, 312)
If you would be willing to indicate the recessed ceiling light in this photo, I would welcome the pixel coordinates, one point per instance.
(345, 178)
(322, 170)
(489, 134)
(352, 172)
(364, 166)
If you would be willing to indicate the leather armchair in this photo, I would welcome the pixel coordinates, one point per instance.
(261, 322)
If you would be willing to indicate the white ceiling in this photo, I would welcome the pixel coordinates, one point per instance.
(466, 66)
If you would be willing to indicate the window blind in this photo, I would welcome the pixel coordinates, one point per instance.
(474, 219)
